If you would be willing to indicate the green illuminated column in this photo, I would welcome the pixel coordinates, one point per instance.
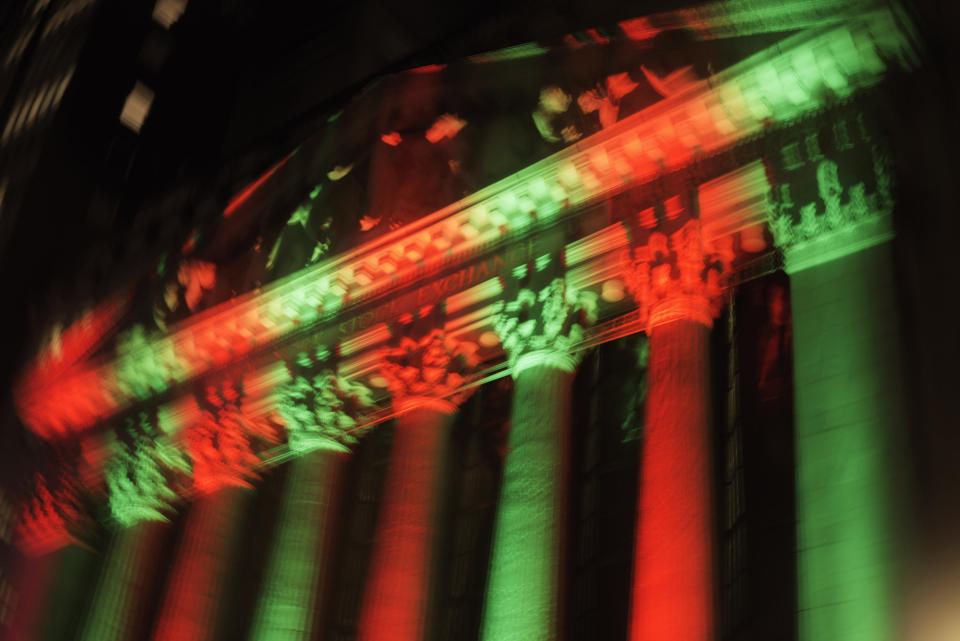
(849, 408)
(121, 598)
(424, 377)
(676, 279)
(525, 596)
(138, 499)
(319, 415)
(295, 586)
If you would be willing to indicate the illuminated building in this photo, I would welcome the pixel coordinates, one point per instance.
(592, 340)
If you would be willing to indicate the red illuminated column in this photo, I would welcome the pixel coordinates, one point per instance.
(189, 607)
(675, 278)
(525, 591)
(222, 460)
(30, 586)
(424, 376)
(673, 568)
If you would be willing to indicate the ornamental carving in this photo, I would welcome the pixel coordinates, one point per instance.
(435, 366)
(47, 517)
(680, 272)
(552, 320)
(322, 410)
(840, 203)
(138, 476)
(222, 442)
(146, 364)
(831, 194)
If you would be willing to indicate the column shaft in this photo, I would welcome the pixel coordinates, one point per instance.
(194, 590)
(295, 584)
(525, 589)
(849, 408)
(126, 583)
(32, 583)
(673, 568)
(396, 599)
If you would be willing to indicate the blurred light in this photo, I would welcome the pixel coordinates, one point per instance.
(136, 107)
(612, 290)
(752, 240)
(489, 339)
(167, 12)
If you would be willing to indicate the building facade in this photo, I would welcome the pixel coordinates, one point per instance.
(594, 340)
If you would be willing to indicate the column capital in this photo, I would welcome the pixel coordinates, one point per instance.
(45, 520)
(221, 443)
(137, 476)
(826, 204)
(321, 411)
(542, 327)
(679, 276)
(429, 371)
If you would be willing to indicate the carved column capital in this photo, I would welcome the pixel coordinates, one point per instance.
(222, 441)
(321, 411)
(429, 370)
(679, 276)
(542, 327)
(137, 476)
(45, 520)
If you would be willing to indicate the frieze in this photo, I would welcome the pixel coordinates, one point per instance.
(831, 195)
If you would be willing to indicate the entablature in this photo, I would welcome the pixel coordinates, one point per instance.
(463, 253)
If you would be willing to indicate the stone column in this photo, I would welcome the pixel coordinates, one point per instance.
(126, 583)
(220, 444)
(319, 413)
(676, 279)
(31, 585)
(525, 590)
(424, 377)
(139, 500)
(43, 538)
(189, 607)
(848, 397)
